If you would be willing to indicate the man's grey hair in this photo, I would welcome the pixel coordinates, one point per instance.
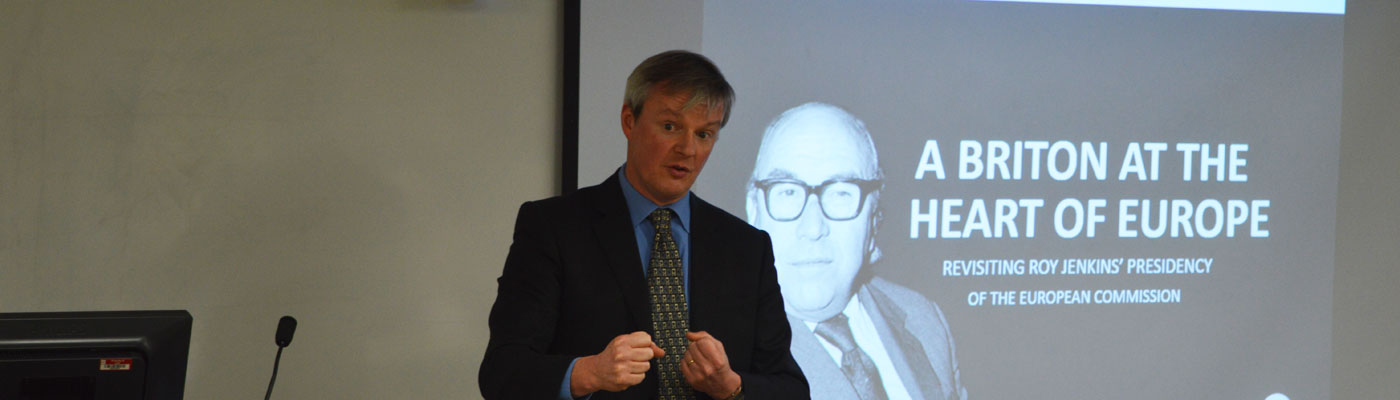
(807, 110)
(680, 71)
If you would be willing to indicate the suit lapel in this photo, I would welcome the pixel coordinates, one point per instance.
(823, 375)
(618, 240)
(904, 350)
(703, 267)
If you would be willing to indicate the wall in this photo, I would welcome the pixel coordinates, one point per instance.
(1366, 316)
(354, 164)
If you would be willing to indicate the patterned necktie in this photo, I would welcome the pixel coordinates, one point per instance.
(857, 366)
(670, 315)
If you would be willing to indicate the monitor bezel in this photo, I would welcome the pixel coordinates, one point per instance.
(163, 336)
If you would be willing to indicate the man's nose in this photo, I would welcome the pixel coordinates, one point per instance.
(812, 224)
(686, 145)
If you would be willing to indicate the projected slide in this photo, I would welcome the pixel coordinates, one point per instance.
(986, 199)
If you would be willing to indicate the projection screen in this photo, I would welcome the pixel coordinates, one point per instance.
(1020, 199)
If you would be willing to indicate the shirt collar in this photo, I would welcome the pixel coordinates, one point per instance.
(639, 207)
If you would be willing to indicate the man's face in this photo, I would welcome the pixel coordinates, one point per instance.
(668, 144)
(817, 258)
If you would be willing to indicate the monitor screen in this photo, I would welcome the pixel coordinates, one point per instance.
(105, 355)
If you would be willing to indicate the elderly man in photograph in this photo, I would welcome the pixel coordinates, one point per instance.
(636, 288)
(816, 188)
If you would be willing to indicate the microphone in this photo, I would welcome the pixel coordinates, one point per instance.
(285, 328)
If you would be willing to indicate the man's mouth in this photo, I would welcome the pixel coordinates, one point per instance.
(678, 171)
(810, 262)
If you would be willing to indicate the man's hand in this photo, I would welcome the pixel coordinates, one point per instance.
(706, 367)
(622, 364)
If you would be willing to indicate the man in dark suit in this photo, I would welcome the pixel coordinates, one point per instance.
(816, 188)
(636, 288)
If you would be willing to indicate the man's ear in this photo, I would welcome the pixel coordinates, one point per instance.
(872, 251)
(628, 121)
(751, 205)
(876, 218)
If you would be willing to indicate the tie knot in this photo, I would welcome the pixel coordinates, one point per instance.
(661, 217)
(837, 331)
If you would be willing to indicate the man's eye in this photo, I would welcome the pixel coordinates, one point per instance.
(668, 126)
(704, 134)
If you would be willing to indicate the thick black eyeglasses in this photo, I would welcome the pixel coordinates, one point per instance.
(839, 199)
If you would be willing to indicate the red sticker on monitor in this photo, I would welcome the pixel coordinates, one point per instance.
(115, 364)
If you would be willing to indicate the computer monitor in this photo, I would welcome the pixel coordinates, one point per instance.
(106, 355)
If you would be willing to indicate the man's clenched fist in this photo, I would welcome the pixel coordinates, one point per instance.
(622, 364)
(706, 367)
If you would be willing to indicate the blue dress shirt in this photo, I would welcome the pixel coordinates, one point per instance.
(638, 209)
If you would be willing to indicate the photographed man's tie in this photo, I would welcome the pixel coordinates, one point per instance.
(857, 366)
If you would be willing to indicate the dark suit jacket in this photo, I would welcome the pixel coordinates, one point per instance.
(573, 281)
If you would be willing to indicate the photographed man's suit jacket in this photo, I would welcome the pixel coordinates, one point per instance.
(573, 281)
(914, 334)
